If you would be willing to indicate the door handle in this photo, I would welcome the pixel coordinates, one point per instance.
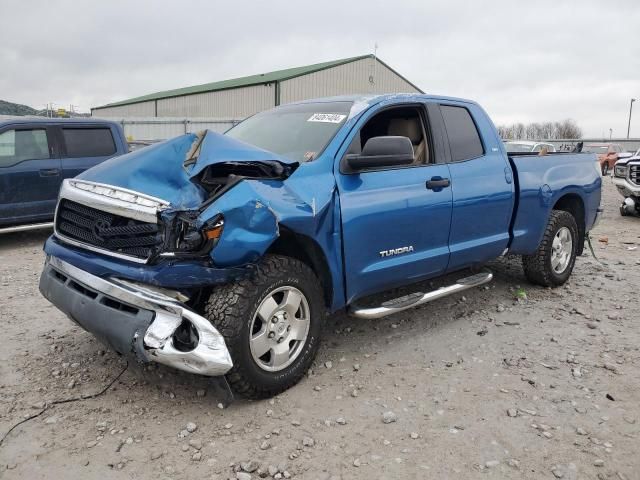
(438, 183)
(49, 172)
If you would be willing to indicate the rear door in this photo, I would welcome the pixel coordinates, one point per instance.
(30, 174)
(84, 146)
(395, 228)
(482, 186)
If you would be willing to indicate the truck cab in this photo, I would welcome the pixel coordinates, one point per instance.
(435, 206)
(36, 155)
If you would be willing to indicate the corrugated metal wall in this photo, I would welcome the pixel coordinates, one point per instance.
(350, 78)
(143, 109)
(151, 128)
(233, 103)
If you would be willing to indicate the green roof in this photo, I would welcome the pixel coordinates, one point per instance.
(260, 79)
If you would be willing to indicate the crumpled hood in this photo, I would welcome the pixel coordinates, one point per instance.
(168, 170)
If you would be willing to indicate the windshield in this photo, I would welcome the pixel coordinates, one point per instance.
(298, 132)
(595, 149)
(513, 147)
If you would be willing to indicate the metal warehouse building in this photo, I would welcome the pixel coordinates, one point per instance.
(240, 97)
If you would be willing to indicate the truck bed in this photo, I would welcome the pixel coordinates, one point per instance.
(544, 180)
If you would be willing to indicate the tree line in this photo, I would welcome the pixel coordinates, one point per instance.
(541, 131)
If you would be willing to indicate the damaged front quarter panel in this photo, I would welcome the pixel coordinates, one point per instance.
(250, 226)
(257, 201)
(222, 166)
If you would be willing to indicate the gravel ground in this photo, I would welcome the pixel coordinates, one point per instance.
(507, 381)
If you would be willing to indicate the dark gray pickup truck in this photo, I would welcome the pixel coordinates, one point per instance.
(36, 155)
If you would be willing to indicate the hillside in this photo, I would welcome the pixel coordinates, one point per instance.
(8, 108)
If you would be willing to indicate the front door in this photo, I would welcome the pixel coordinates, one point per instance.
(395, 222)
(30, 175)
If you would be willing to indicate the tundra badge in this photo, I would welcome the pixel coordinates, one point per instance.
(396, 251)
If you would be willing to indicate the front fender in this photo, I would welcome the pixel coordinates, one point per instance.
(254, 211)
(250, 226)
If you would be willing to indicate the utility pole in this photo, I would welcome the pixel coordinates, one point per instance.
(372, 77)
(375, 62)
(610, 133)
(630, 110)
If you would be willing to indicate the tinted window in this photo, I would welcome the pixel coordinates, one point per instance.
(464, 139)
(19, 145)
(88, 142)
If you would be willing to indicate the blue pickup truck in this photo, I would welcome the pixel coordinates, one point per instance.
(36, 155)
(222, 254)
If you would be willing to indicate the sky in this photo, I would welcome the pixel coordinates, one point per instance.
(522, 61)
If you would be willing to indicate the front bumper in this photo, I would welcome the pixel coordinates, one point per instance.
(626, 188)
(133, 320)
(171, 274)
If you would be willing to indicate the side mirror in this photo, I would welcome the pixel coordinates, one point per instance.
(382, 152)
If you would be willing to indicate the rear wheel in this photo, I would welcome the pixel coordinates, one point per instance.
(271, 323)
(555, 257)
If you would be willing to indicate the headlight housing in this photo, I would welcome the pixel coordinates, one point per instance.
(620, 170)
(187, 240)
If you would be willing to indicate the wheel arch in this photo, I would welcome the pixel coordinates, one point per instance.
(572, 203)
(308, 251)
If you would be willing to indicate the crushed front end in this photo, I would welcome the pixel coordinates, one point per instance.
(135, 320)
(98, 272)
(132, 253)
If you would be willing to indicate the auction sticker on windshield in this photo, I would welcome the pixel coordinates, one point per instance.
(327, 117)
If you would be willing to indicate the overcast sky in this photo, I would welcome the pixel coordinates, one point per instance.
(553, 60)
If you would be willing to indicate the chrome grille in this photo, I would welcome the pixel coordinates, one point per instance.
(634, 174)
(106, 230)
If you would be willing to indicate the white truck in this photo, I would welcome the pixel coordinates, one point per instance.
(626, 177)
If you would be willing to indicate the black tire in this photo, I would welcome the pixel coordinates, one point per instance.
(623, 210)
(537, 267)
(231, 309)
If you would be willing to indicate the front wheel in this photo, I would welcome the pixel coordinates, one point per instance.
(552, 263)
(271, 323)
(623, 210)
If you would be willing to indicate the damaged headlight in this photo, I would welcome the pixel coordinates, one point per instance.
(187, 239)
(620, 171)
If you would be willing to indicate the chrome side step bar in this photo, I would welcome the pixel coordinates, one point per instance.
(24, 228)
(413, 300)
